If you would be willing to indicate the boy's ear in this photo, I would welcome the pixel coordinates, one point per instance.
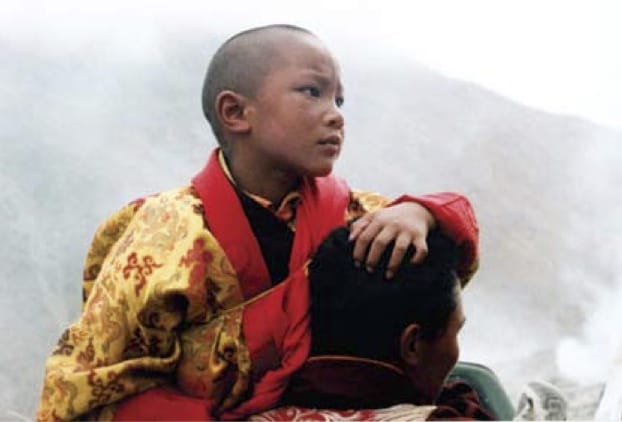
(231, 111)
(409, 344)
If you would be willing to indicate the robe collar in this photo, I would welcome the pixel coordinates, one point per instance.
(285, 210)
(348, 381)
(323, 206)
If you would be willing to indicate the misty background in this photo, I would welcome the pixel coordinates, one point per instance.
(102, 108)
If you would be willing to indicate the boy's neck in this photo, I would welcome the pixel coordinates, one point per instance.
(269, 183)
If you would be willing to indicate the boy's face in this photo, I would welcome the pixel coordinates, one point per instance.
(296, 125)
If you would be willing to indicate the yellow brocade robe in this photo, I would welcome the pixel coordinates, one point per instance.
(163, 304)
(161, 307)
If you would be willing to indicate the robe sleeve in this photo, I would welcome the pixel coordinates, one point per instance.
(145, 276)
(453, 213)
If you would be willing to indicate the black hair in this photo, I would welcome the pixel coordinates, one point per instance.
(240, 65)
(363, 314)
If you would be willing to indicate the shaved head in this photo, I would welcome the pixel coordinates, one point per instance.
(241, 64)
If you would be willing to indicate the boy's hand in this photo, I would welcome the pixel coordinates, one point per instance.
(406, 223)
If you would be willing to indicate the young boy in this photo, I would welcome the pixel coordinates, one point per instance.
(170, 280)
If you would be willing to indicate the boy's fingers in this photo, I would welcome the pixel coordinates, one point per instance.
(377, 247)
(358, 226)
(363, 240)
(399, 250)
(421, 250)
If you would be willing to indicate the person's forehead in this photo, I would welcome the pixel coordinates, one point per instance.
(304, 50)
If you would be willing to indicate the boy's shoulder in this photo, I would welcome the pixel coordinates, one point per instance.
(155, 221)
(180, 197)
(168, 210)
(155, 212)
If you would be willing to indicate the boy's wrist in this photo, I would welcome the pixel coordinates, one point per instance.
(424, 212)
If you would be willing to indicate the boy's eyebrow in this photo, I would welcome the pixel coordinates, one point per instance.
(323, 79)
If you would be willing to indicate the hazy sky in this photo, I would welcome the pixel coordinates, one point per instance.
(560, 56)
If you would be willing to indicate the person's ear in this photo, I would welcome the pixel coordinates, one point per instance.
(409, 344)
(231, 111)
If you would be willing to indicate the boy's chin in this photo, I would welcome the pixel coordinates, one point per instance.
(321, 172)
(321, 169)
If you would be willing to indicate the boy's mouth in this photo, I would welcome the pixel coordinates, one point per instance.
(331, 145)
(334, 140)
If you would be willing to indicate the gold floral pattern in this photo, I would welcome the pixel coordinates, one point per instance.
(152, 271)
(140, 269)
(215, 364)
(105, 237)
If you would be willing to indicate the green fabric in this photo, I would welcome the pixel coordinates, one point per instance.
(488, 387)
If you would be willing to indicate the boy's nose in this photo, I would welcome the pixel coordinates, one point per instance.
(334, 118)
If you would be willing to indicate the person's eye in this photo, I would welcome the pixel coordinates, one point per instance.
(339, 101)
(312, 91)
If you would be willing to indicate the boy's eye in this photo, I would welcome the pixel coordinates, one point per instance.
(311, 90)
(339, 101)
